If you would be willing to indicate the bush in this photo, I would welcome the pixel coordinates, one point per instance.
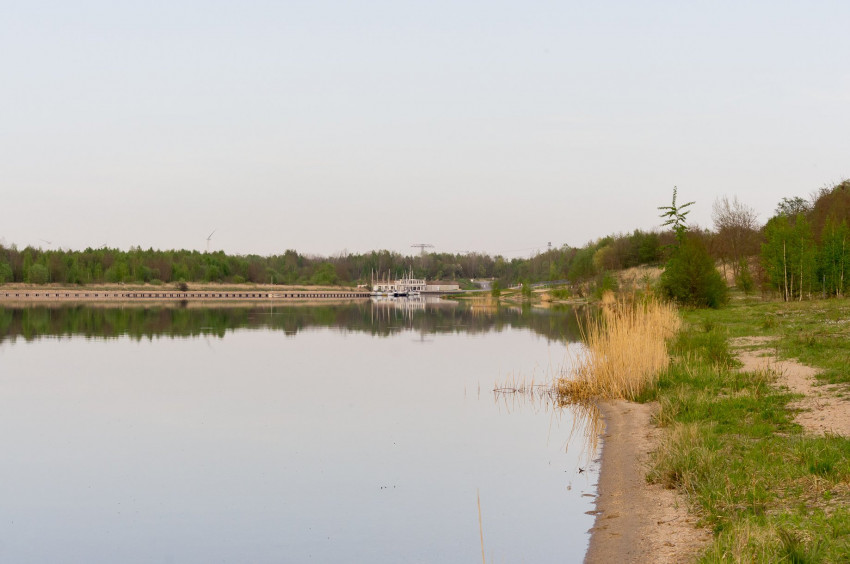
(496, 289)
(605, 283)
(690, 277)
(744, 280)
(560, 293)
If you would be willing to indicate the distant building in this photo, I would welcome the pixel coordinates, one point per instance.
(441, 287)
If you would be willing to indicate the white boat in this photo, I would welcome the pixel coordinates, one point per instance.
(401, 287)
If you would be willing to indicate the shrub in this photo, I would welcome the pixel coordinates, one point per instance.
(690, 277)
(744, 280)
(605, 283)
(560, 293)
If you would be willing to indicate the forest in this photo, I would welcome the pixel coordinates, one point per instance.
(802, 250)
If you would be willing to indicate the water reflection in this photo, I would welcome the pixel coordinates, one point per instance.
(539, 396)
(325, 433)
(377, 318)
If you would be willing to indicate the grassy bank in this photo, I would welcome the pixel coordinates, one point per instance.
(769, 491)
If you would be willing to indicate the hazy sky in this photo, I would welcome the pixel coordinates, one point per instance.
(326, 126)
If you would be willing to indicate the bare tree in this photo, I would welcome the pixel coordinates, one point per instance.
(736, 225)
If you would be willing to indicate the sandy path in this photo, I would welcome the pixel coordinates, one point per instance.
(636, 521)
(821, 408)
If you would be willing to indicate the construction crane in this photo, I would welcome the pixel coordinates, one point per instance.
(422, 247)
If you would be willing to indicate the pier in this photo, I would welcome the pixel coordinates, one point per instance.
(77, 295)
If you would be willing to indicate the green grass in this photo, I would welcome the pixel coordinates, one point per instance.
(816, 333)
(769, 492)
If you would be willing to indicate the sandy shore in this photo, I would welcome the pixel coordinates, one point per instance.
(636, 521)
(824, 408)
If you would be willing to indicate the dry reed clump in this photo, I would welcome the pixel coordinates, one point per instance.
(626, 349)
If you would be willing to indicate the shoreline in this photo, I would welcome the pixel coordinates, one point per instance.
(637, 521)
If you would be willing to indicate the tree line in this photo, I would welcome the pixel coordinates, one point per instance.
(136, 265)
(802, 250)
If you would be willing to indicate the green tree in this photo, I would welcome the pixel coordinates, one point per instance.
(324, 275)
(676, 217)
(5, 273)
(792, 207)
(28, 262)
(38, 274)
(788, 255)
(743, 279)
(690, 277)
(582, 266)
(833, 257)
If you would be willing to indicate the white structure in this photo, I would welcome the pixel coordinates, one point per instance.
(408, 286)
(442, 287)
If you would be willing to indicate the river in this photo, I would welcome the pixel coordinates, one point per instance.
(359, 432)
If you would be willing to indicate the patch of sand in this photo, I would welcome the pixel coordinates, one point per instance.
(637, 521)
(822, 410)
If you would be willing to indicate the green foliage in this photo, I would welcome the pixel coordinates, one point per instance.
(605, 282)
(833, 257)
(6, 274)
(496, 289)
(38, 274)
(561, 293)
(690, 277)
(676, 216)
(526, 290)
(325, 275)
(582, 264)
(789, 256)
(743, 279)
(118, 272)
(792, 207)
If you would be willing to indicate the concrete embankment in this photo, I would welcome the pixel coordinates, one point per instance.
(113, 295)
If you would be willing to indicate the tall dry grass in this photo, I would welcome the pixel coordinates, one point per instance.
(626, 349)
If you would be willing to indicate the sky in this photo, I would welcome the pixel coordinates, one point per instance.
(340, 127)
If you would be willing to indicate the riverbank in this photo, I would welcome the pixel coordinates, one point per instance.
(752, 437)
(637, 521)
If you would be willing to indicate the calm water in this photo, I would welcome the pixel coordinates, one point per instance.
(354, 433)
